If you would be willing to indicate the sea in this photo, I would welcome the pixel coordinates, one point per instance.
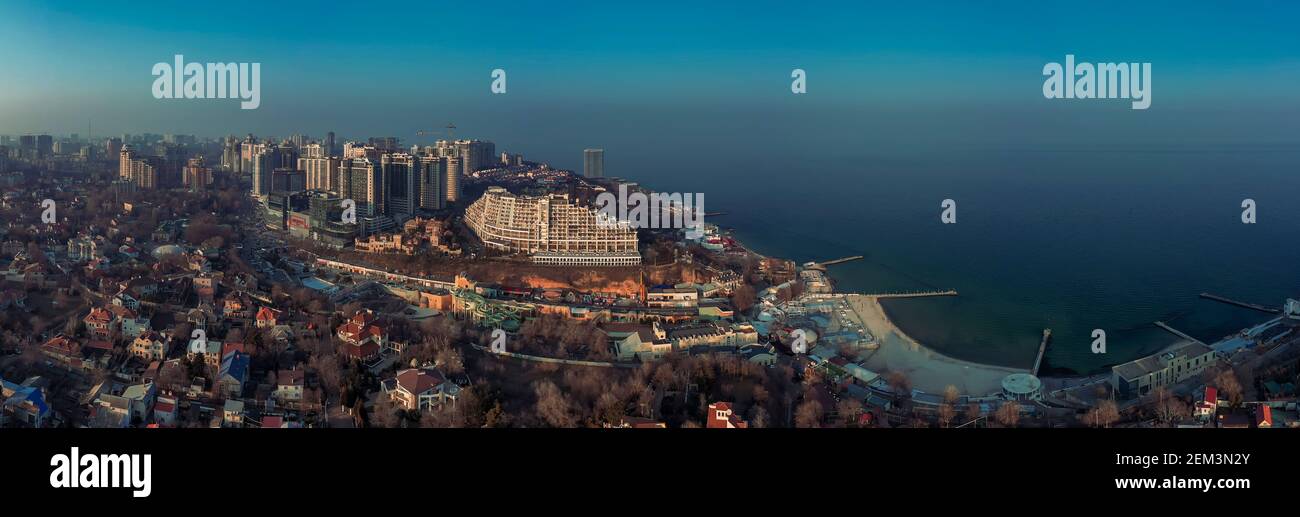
(1072, 239)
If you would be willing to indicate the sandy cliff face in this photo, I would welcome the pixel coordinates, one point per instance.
(627, 281)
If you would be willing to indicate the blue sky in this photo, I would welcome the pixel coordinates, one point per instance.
(358, 67)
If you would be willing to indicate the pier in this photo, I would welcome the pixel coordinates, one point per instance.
(1177, 332)
(1228, 301)
(914, 294)
(1042, 350)
(822, 265)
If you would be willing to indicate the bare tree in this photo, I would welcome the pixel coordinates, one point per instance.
(951, 395)
(1104, 414)
(946, 413)
(1230, 387)
(386, 413)
(809, 414)
(1008, 414)
(552, 407)
(850, 411)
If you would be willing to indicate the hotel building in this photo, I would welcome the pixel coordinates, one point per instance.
(551, 228)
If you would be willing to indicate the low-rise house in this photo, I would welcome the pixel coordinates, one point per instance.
(100, 323)
(420, 389)
(140, 287)
(362, 336)
(638, 340)
(124, 299)
(235, 306)
(267, 317)
(62, 349)
(288, 385)
(232, 374)
(721, 416)
(1209, 403)
(23, 404)
(207, 351)
(129, 407)
(672, 297)
(149, 346)
(131, 323)
(165, 411)
(232, 413)
(1263, 415)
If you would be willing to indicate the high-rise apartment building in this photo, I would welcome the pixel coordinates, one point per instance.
(454, 176)
(474, 155)
(322, 172)
(433, 182)
(267, 160)
(400, 176)
(197, 176)
(361, 180)
(593, 163)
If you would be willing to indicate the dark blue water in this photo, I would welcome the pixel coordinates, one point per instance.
(1072, 240)
(1072, 218)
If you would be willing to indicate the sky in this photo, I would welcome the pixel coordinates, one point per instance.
(964, 73)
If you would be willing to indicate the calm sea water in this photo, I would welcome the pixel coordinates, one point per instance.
(1064, 239)
(1099, 232)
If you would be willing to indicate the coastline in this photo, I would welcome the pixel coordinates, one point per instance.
(928, 370)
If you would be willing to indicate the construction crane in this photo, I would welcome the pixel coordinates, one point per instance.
(450, 130)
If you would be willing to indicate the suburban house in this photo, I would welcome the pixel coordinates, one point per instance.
(131, 323)
(638, 340)
(62, 348)
(23, 404)
(209, 350)
(233, 374)
(419, 389)
(267, 317)
(1209, 403)
(1263, 415)
(288, 385)
(131, 406)
(99, 323)
(149, 346)
(165, 411)
(232, 413)
(124, 299)
(721, 416)
(362, 335)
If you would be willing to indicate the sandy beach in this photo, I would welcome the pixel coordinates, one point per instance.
(928, 370)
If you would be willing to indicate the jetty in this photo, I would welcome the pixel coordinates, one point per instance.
(1229, 301)
(1178, 333)
(1042, 350)
(915, 294)
(822, 265)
